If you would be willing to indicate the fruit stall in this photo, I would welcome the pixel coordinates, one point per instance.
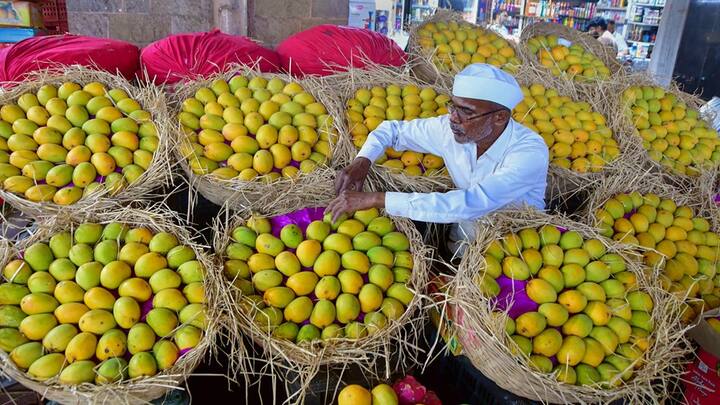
(164, 235)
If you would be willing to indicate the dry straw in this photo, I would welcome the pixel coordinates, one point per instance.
(151, 99)
(629, 133)
(564, 184)
(605, 53)
(259, 195)
(345, 85)
(423, 61)
(158, 218)
(392, 348)
(482, 331)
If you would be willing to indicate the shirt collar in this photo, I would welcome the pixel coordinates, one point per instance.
(497, 150)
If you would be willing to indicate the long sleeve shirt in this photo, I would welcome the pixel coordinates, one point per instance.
(513, 171)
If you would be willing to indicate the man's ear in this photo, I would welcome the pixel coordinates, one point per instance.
(502, 117)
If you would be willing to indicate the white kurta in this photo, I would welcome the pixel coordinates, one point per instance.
(513, 171)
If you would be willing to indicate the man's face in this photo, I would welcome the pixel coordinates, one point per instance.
(611, 27)
(595, 32)
(473, 121)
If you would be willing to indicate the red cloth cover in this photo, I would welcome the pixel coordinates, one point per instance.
(41, 52)
(181, 56)
(326, 48)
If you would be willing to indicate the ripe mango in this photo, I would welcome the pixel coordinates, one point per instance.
(640, 301)
(515, 268)
(78, 373)
(17, 271)
(38, 256)
(308, 333)
(69, 291)
(191, 272)
(163, 242)
(169, 298)
(381, 276)
(332, 332)
(621, 328)
(547, 343)
(553, 255)
(99, 298)
(347, 308)
(592, 291)
(381, 226)
(46, 367)
(304, 282)
(70, 312)
(540, 291)
(266, 279)
(573, 275)
(613, 288)
(355, 260)
(572, 351)
(127, 311)
(57, 340)
(162, 320)
(142, 365)
(12, 294)
(166, 354)
(163, 279)
(10, 338)
(97, 321)
(298, 310)
(136, 288)
(396, 241)
(364, 241)
(106, 251)
(179, 255)
(327, 263)
(147, 264)
(194, 293)
(606, 337)
(88, 233)
(337, 242)
(278, 297)
(187, 337)
(114, 273)
(371, 297)
(141, 338)
(555, 314)
(11, 316)
(41, 282)
(131, 252)
(574, 301)
(26, 354)
(553, 276)
(598, 312)
(530, 324)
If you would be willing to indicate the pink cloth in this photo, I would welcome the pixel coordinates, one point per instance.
(38, 53)
(200, 54)
(325, 49)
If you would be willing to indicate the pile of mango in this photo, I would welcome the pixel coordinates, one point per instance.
(371, 106)
(101, 304)
(673, 134)
(690, 250)
(63, 143)
(585, 313)
(577, 136)
(574, 60)
(457, 44)
(346, 279)
(354, 394)
(254, 127)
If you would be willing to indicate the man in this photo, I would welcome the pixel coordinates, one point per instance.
(499, 25)
(597, 27)
(622, 46)
(493, 160)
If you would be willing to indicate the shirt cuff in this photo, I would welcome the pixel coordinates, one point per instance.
(370, 152)
(397, 204)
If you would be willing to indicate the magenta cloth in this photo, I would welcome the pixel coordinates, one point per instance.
(146, 307)
(326, 49)
(301, 218)
(200, 54)
(717, 199)
(513, 297)
(37, 53)
(184, 351)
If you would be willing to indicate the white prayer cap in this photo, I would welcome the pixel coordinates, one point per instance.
(481, 81)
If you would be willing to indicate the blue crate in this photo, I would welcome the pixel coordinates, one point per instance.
(11, 35)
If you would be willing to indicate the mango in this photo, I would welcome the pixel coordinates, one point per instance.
(12, 294)
(553, 255)
(331, 332)
(99, 298)
(621, 328)
(515, 268)
(555, 314)
(642, 320)
(140, 338)
(24, 355)
(78, 373)
(598, 312)
(46, 367)
(371, 297)
(166, 354)
(302, 283)
(308, 333)
(187, 337)
(163, 279)
(69, 291)
(640, 301)
(57, 340)
(572, 351)
(35, 327)
(347, 308)
(540, 291)
(553, 276)
(520, 346)
(41, 282)
(163, 242)
(70, 312)
(574, 301)
(267, 279)
(142, 365)
(127, 311)
(193, 314)
(17, 271)
(79, 254)
(244, 235)
(114, 273)
(278, 297)
(136, 288)
(191, 272)
(606, 337)
(268, 318)
(381, 226)
(573, 275)
(587, 375)
(88, 275)
(396, 241)
(298, 310)
(11, 316)
(62, 269)
(364, 241)
(530, 324)
(97, 321)
(147, 264)
(38, 256)
(169, 298)
(162, 320)
(131, 252)
(615, 262)
(195, 293)
(613, 288)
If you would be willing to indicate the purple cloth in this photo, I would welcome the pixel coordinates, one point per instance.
(145, 307)
(513, 297)
(717, 199)
(302, 218)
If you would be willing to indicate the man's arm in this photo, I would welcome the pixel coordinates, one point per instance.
(419, 135)
(522, 170)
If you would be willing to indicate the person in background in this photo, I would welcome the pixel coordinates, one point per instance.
(597, 27)
(498, 25)
(455, 5)
(493, 160)
(622, 46)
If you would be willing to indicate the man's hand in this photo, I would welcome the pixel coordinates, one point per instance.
(353, 176)
(351, 201)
